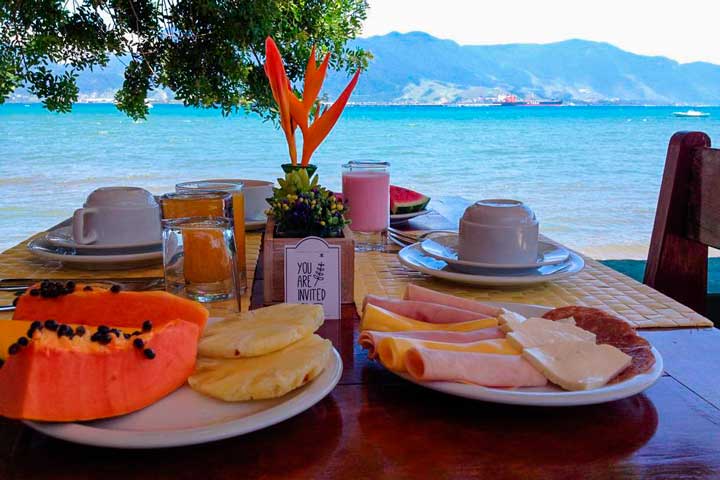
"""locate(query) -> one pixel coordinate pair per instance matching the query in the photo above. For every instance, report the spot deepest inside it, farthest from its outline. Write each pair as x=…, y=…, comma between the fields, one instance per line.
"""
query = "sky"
x=684, y=30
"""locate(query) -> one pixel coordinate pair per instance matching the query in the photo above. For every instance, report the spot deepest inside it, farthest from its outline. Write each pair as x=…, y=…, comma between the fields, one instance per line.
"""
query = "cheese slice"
x=535, y=332
x=577, y=365
x=509, y=320
x=568, y=320
x=392, y=350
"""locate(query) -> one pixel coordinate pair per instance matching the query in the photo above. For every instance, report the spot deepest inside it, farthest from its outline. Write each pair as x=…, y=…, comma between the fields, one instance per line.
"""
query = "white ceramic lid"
x=130, y=197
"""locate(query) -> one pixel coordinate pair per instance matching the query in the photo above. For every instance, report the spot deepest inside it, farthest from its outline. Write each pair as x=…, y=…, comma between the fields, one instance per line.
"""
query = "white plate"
x=44, y=250
x=186, y=417
x=396, y=218
x=62, y=237
x=445, y=247
x=415, y=258
x=549, y=396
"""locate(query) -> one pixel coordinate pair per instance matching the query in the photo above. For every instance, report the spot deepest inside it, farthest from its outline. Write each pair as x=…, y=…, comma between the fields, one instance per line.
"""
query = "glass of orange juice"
x=195, y=256
x=235, y=189
x=199, y=258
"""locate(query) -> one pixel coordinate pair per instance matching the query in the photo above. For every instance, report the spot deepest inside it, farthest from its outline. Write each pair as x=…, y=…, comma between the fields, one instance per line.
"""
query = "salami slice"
x=611, y=330
x=605, y=326
x=642, y=360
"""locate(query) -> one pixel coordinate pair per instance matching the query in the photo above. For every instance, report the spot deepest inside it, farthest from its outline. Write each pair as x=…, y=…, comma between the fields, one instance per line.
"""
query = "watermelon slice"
x=404, y=200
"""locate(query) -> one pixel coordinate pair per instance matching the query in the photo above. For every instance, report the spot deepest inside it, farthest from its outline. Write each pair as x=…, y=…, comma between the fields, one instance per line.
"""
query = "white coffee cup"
x=255, y=192
x=118, y=216
x=498, y=231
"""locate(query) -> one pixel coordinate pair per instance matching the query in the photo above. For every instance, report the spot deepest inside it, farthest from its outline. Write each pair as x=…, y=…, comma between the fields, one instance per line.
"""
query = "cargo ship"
x=514, y=101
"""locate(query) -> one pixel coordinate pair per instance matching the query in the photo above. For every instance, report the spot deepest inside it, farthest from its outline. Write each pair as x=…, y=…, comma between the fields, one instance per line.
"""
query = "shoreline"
x=109, y=101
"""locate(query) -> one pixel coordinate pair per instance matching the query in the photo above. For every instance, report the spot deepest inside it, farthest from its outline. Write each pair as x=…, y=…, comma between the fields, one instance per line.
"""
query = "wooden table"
x=375, y=425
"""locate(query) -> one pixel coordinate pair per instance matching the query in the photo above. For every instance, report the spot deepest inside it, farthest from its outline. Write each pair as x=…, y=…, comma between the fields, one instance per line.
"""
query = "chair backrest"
x=687, y=220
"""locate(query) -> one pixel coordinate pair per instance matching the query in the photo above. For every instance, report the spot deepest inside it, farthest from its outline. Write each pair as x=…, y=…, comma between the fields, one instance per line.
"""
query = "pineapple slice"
x=263, y=377
x=261, y=331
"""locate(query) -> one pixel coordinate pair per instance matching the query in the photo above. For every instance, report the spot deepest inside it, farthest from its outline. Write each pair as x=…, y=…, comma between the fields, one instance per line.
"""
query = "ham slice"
x=422, y=294
x=424, y=311
x=376, y=318
x=369, y=339
x=487, y=370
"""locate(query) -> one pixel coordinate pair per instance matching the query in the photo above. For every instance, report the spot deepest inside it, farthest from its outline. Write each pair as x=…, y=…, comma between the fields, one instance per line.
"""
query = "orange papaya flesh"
x=12, y=330
x=102, y=306
x=56, y=378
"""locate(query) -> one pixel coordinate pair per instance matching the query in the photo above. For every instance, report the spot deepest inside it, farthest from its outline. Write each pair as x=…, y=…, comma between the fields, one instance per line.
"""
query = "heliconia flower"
x=295, y=112
x=314, y=134
x=280, y=86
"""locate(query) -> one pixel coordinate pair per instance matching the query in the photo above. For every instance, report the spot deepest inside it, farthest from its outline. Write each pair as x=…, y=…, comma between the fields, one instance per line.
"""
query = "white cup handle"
x=78, y=226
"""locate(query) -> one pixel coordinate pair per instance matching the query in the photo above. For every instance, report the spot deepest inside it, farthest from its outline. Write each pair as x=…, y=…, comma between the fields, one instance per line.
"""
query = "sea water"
x=592, y=174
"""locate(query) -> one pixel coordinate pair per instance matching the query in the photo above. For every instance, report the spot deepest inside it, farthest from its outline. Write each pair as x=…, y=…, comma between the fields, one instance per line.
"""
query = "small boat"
x=691, y=113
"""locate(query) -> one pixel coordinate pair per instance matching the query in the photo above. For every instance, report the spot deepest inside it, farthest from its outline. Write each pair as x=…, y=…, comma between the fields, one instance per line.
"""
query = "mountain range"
x=417, y=68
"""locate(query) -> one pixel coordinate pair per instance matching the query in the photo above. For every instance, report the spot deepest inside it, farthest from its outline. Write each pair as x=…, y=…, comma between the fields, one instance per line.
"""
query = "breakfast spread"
x=575, y=348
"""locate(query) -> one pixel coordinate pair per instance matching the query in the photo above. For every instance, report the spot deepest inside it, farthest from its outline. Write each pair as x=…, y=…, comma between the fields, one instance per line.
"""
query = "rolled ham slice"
x=376, y=318
x=369, y=339
x=487, y=370
x=424, y=311
x=422, y=294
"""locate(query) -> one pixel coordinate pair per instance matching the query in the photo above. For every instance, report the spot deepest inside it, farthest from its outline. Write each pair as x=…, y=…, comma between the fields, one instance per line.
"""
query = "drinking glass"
x=196, y=204
x=198, y=258
x=366, y=190
x=236, y=189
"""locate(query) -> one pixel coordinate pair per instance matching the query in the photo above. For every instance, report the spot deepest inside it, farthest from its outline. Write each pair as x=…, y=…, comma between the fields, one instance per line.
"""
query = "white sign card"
x=312, y=275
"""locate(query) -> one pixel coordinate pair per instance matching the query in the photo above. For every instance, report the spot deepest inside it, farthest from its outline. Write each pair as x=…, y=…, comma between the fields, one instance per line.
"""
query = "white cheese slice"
x=568, y=320
x=535, y=332
x=578, y=365
x=509, y=320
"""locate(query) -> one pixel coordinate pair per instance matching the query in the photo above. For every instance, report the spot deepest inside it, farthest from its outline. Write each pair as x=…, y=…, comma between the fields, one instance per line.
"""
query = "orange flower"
x=296, y=112
x=314, y=134
x=280, y=86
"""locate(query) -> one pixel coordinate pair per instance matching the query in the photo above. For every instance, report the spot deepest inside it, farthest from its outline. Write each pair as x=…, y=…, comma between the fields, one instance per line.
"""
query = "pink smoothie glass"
x=366, y=190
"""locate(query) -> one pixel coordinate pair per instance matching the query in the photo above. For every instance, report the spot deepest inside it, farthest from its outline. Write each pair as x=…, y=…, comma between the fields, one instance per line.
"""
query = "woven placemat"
x=596, y=286
x=17, y=262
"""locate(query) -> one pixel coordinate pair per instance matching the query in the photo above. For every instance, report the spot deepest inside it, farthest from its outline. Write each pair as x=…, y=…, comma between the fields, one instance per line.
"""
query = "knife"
x=138, y=283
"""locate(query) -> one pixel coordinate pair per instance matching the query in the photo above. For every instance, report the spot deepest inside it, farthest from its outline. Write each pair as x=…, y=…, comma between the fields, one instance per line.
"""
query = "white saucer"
x=62, y=237
x=396, y=218
x=70, y=257
x=415, y=258
x=445, y=247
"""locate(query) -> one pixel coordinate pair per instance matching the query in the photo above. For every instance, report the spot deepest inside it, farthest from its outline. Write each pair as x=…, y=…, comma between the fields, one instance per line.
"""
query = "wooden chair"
x=687, y=220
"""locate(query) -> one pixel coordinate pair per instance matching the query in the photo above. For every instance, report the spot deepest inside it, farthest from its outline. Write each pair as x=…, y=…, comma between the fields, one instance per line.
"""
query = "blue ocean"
x=592, y=174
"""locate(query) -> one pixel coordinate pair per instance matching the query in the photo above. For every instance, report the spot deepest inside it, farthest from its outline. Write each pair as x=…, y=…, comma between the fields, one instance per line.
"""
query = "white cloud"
x=682, y=30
